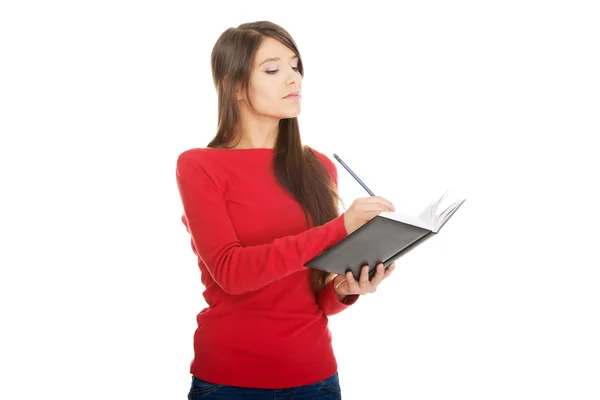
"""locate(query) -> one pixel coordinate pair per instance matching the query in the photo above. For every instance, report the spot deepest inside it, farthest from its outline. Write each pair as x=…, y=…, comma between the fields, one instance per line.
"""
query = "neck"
x=257, y=131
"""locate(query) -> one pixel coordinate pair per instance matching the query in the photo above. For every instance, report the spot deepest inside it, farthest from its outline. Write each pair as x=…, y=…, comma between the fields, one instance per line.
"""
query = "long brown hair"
x=296, y=167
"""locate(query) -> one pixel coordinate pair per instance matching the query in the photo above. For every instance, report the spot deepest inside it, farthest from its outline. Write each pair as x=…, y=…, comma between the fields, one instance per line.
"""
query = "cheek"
x=264, y=96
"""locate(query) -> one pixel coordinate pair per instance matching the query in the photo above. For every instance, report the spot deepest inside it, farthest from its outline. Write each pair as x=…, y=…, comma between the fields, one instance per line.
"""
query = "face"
x=273, y=78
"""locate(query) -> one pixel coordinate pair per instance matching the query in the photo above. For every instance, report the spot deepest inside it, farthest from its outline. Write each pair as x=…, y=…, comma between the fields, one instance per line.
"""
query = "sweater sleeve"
x=326, y=298
x=235, y=268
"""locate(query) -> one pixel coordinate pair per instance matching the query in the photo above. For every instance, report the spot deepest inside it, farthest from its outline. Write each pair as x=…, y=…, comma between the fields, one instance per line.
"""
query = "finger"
x=376, y=208
x=380, y=200
x=389, y=270
x=377, y=199
x=364, y=277
x=352, y=283
x=366, y=207
x=378, y=277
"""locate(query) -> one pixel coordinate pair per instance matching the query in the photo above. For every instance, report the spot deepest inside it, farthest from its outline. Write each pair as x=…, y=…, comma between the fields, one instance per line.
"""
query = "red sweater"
x=263, y=327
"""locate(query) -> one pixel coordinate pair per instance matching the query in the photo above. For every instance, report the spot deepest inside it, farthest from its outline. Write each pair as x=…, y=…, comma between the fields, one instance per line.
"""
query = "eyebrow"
x=276, y=59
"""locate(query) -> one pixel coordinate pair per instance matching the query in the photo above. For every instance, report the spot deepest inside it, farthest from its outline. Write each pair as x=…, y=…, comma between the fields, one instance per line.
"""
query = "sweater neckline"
x=252, y=149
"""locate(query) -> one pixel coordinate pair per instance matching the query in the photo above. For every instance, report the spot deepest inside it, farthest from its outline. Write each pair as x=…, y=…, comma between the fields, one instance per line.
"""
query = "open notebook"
x=385, y=238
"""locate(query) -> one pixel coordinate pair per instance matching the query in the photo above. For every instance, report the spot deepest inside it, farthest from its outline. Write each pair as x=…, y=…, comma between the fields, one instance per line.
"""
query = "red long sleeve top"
x=264, y=327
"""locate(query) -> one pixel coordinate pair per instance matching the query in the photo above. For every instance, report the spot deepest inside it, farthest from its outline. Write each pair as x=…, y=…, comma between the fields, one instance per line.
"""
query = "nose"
x=293, y=77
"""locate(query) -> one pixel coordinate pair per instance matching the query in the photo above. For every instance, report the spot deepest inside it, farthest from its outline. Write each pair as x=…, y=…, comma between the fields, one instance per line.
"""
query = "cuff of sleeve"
x=349, y=300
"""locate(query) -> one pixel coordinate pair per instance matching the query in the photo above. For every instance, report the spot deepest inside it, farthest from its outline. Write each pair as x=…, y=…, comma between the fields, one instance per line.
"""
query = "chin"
x=290, y=113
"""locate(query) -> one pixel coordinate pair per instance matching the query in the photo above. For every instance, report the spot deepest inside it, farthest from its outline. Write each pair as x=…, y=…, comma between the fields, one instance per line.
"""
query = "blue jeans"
x=327, y=389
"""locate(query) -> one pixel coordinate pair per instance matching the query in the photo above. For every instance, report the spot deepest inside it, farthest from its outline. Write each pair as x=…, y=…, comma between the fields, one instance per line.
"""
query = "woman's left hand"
x=347, y=285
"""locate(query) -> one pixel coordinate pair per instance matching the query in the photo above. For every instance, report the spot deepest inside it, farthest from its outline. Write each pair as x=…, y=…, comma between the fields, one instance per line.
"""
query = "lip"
x=295, y=95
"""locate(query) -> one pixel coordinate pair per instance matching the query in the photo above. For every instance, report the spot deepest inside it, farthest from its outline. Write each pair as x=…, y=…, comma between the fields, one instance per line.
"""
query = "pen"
x=353, y=175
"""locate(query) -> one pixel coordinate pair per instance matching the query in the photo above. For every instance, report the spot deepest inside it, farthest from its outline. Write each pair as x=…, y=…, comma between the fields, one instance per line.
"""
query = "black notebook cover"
x=379, y=240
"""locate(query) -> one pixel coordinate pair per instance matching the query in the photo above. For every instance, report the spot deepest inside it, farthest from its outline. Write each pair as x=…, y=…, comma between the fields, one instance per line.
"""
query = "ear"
x=240, y=92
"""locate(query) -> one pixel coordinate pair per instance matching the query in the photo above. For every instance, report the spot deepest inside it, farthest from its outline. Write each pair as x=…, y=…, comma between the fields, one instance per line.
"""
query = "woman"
x=258, y=205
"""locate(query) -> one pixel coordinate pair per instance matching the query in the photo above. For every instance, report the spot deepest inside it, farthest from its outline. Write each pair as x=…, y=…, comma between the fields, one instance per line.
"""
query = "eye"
x=273, y=72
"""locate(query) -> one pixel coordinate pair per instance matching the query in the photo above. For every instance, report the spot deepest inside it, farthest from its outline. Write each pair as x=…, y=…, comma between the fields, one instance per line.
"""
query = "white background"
x=99, y=288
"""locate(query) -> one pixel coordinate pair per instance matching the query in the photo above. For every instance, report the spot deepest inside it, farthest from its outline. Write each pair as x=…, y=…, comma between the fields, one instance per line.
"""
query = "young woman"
x=258, y=205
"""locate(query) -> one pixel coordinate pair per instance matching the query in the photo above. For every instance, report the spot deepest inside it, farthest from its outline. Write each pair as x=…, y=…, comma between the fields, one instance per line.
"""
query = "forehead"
x=271, y=48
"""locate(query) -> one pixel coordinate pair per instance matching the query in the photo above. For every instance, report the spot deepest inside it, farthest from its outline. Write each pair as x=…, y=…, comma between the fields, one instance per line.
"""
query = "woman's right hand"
x=363, y=210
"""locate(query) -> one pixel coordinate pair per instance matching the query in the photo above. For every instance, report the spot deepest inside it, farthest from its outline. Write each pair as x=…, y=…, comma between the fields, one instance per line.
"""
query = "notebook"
x=384, y=239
